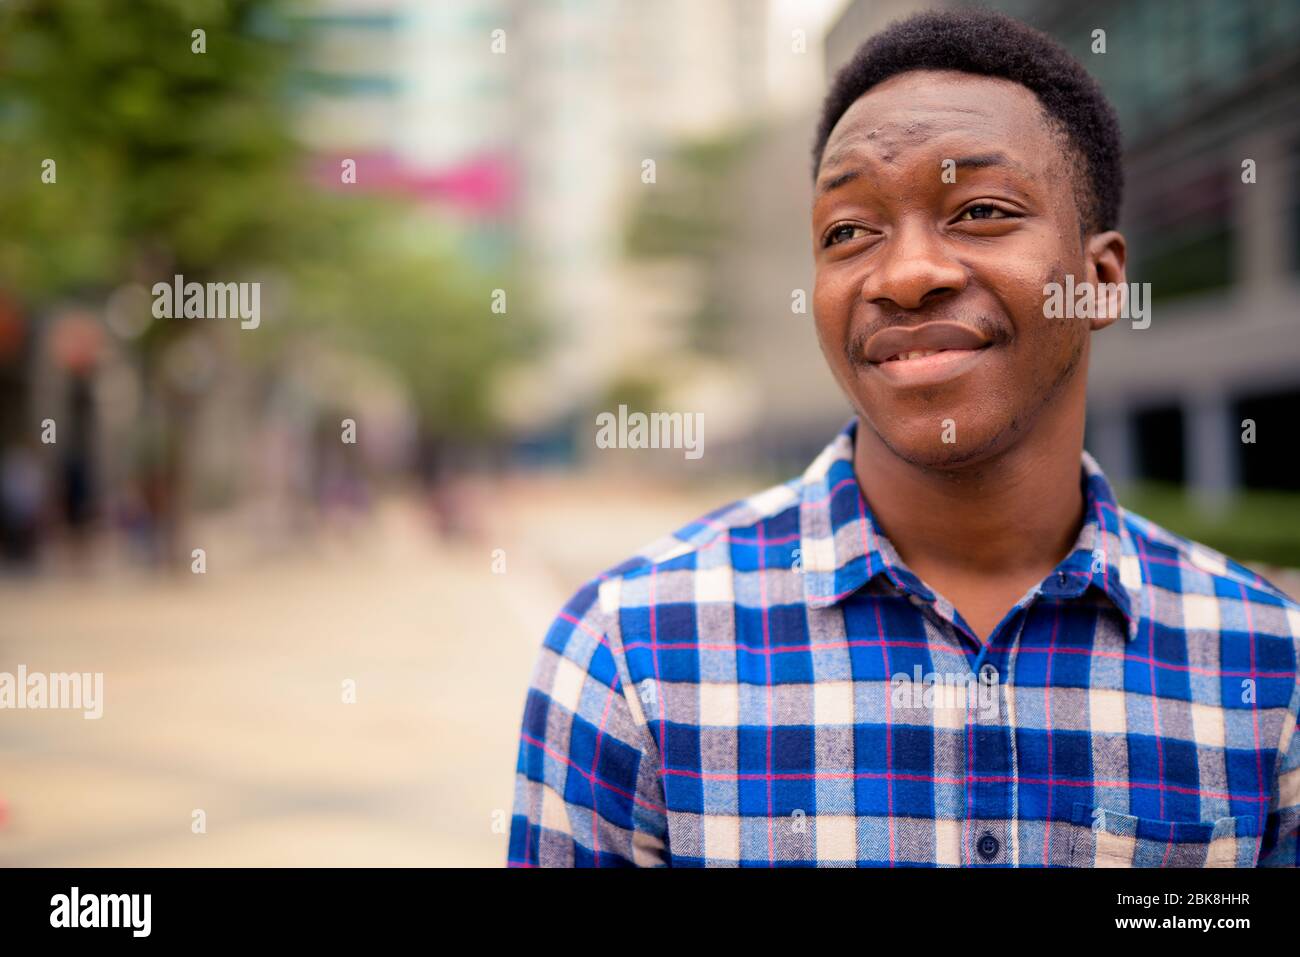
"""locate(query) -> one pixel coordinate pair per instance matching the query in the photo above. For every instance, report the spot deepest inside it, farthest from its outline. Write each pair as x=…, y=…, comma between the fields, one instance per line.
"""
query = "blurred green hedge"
x=1258, y=526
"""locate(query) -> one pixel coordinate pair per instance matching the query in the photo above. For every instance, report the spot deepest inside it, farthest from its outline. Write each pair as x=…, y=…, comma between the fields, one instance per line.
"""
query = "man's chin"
x=941, y=446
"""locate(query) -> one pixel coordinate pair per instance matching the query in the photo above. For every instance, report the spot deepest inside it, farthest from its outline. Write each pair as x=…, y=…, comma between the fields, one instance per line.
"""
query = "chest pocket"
x=1103, y=838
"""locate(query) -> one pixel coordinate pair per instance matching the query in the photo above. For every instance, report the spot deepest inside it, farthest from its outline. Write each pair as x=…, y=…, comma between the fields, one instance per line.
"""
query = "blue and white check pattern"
x=772, y=686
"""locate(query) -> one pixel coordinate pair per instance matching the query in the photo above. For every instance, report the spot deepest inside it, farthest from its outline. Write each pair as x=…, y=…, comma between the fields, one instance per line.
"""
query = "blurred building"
x=605, y=88
x=413, y=92
x=534, y=119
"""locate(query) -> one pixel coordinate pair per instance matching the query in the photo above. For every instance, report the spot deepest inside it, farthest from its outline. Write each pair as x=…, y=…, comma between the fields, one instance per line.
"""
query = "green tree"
x=170, y=160
x=688, y=215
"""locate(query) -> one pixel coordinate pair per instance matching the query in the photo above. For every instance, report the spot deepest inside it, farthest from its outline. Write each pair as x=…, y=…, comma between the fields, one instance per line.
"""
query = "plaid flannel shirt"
x=771, y=686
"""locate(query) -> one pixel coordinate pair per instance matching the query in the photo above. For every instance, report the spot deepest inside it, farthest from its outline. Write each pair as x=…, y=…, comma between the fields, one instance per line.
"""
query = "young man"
x=944, y=644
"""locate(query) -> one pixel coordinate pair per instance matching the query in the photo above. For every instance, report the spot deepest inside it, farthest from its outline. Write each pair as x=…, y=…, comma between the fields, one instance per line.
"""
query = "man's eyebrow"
x=985, y=160
x=982, y=161
x=838, y=181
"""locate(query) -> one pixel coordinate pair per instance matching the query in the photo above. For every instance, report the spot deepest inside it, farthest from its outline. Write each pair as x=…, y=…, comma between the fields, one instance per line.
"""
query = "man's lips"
x=926, y=355
x=899, y=343
x=931, y=369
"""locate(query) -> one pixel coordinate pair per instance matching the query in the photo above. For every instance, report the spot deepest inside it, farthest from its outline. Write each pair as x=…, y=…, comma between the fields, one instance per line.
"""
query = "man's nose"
x=914, y=266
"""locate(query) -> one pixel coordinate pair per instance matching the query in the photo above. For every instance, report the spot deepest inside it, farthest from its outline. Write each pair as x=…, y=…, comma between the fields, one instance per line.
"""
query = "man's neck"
x=1017, y=514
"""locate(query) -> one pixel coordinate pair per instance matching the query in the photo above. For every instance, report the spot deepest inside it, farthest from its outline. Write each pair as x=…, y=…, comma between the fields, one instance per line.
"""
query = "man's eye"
x=982, y=211
x=843, y=233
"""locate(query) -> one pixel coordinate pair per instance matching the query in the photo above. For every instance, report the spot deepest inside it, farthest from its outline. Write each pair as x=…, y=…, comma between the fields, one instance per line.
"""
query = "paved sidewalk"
x=223, y=692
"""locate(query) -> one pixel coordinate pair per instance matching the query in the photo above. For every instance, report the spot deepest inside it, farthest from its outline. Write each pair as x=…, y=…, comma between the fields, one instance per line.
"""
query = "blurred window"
x=1269, y=462
x=1160, y=453
x=1162, y=57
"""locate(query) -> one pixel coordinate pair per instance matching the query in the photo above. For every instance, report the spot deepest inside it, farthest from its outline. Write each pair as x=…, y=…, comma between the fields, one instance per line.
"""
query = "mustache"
x=855, y=347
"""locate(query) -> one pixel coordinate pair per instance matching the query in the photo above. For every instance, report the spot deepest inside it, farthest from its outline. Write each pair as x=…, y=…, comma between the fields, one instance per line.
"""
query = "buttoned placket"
x=990, y=808
x=1002, y=807
x=988, y=831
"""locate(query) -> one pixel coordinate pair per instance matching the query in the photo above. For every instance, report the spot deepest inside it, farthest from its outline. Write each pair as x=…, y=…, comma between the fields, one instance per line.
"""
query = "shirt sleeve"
x=1280, y=847
x=588, y=792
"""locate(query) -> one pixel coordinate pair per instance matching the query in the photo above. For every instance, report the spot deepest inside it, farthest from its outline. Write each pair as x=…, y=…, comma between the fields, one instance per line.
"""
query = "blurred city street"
x=223, y=692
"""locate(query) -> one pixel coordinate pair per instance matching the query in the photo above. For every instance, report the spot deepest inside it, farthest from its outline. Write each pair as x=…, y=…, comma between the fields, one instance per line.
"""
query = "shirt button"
x=988, y=847
x=988, y=673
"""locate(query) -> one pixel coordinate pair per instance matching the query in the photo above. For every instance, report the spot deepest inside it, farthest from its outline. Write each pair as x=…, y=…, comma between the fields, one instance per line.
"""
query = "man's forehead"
x=915, y=108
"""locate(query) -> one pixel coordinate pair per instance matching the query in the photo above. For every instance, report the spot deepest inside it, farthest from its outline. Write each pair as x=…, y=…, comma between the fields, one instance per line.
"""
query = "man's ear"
x=1105, y=256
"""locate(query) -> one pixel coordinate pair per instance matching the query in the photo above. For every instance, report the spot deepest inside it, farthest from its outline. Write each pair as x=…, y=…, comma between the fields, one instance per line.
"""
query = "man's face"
x=961, y=210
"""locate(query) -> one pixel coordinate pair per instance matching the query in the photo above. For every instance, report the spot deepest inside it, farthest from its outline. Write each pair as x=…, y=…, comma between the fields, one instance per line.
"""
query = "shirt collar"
x=843, y=548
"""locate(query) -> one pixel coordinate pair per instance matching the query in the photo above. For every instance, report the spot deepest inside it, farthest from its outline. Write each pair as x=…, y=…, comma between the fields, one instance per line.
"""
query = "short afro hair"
x=992, y=44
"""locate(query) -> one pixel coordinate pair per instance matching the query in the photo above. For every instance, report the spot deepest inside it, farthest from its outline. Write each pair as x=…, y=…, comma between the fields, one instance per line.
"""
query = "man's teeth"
x=918, y=354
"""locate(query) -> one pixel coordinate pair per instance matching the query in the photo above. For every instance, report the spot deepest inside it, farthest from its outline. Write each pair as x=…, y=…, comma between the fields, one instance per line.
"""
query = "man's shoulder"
x=733, y=520
x=704, y=544
x=1173, y=564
